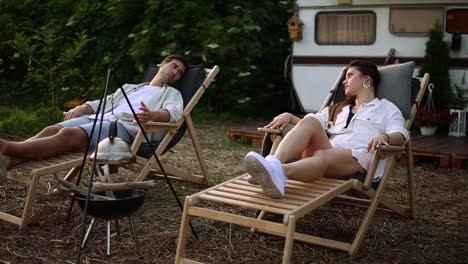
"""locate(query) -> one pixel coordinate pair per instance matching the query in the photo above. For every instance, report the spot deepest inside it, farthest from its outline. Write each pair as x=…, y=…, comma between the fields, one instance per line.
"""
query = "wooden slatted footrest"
x=299, y=199
x=239, y=192
x=29, y=173
x=51, y=165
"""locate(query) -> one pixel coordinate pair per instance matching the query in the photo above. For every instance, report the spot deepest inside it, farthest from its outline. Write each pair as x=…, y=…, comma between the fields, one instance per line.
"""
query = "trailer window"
x=402, y=20
x=457, y=21
x=345, y=28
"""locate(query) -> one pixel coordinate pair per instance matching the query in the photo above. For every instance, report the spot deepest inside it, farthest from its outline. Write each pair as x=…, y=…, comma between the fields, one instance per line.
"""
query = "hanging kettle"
x=113, y=150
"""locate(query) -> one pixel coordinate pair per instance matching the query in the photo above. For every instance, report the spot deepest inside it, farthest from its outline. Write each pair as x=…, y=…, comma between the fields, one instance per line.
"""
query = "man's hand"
x=146, y=115
x=78, y=111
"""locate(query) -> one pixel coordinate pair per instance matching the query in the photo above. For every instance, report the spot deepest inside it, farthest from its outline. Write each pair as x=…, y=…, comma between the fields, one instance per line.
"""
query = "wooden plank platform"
x=452, y=152
x=254, y=137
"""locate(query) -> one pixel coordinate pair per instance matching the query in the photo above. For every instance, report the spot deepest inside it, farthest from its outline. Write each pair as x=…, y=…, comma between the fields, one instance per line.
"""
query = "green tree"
x=436, y=63
x=50, y=60
x=248, y=39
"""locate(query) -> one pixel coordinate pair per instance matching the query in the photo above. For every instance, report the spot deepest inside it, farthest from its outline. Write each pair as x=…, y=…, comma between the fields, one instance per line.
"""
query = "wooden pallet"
x=452, y=152
x=445, y=160
x=254, y=137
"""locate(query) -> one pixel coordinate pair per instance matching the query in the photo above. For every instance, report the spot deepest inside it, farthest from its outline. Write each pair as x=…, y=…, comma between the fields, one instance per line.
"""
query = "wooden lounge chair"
x=192, y=86
x=301, y=198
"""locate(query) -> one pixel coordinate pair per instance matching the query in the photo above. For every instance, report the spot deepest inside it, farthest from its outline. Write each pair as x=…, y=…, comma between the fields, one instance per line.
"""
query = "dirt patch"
x=437, y=234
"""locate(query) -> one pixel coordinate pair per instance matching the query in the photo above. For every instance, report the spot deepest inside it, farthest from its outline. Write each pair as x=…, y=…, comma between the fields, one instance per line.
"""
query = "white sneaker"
x=3, y=169
x=268, y=172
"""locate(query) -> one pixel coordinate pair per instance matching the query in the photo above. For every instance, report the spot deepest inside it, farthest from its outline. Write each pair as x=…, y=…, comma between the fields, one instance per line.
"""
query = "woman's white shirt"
x=371, y=119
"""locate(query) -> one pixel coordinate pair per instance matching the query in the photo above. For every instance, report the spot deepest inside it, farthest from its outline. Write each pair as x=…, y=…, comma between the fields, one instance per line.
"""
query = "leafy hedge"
x=19, y=124
x=54, y=50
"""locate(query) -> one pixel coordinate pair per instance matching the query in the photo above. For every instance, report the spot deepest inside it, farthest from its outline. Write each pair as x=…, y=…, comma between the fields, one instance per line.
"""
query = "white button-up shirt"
x=371, y=119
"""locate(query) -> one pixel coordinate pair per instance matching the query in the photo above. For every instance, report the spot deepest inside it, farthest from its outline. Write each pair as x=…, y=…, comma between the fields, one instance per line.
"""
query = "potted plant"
x=429, y=120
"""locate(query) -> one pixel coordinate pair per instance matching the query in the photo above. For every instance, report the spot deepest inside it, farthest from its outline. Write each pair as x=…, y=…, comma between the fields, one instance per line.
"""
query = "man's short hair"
x=176, y=57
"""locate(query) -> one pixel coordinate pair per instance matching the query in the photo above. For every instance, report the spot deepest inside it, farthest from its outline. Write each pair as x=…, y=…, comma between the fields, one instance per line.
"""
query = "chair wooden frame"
x=301, y=198
x=29, y=173
x=172, y=128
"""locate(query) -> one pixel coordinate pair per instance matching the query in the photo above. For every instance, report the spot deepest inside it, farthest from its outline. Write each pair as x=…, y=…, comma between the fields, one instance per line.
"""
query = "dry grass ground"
x=438, y=234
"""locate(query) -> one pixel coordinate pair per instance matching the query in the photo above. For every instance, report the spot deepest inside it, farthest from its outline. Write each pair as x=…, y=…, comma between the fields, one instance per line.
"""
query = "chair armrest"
x=391, y=148
x=151, y=126
x=269, y=130
x=386, y=151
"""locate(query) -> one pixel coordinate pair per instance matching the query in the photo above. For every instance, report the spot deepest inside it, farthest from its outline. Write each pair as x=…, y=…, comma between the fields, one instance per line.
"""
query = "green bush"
x=19, y=124
x=51, y=61
x=247, y=39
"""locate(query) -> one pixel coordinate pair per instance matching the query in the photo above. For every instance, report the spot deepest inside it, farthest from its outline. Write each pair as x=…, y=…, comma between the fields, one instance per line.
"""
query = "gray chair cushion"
x=395, y=85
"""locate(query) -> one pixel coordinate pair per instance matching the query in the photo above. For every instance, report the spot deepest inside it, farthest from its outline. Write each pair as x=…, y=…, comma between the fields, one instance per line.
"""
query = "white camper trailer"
x=334, y=32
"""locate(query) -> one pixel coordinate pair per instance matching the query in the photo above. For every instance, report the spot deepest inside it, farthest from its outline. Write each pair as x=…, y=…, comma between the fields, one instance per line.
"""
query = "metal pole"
x=93, y=167
x=83, y=162
x=158, y=161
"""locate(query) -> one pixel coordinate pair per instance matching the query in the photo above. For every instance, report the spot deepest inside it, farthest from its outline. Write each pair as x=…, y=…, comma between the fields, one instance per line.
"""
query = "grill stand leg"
x=88, y=231
x=108, y=221
x=108, y=237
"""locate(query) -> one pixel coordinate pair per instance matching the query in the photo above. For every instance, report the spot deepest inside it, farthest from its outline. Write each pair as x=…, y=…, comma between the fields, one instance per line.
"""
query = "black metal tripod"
x=102, y=104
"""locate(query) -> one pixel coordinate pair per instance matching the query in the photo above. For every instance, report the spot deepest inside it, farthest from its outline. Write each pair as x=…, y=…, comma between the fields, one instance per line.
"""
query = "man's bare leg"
x=46, y=132
x=67, y=139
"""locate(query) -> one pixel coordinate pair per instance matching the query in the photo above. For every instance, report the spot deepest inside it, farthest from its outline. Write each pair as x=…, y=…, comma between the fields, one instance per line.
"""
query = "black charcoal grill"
x=126, y=202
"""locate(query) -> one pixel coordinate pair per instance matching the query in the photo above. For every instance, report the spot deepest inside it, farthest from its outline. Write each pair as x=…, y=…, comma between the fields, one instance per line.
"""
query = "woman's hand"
x=280, y=121
x=377, y=141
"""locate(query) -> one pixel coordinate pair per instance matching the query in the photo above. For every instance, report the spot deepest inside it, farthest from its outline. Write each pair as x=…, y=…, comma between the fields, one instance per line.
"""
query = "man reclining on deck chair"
x=356, y=126
x=157, y=101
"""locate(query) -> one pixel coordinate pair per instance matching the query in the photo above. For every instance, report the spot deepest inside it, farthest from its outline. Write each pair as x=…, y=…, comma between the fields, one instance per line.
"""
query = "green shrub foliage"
x=54, y=50
x=19, y=124
x=436, y=63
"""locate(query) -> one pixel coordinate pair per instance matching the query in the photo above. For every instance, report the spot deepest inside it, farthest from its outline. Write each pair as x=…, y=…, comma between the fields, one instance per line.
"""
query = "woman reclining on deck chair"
x=355, y=127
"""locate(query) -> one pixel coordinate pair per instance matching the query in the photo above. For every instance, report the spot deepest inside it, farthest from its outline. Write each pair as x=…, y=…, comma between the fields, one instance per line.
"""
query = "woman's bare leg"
x=303, y=140
x=319, y=159
x=332, y=163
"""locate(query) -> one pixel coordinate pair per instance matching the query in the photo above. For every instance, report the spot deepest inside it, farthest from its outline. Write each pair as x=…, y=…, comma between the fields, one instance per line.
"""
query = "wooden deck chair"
x=301, y=198
x=192, y=86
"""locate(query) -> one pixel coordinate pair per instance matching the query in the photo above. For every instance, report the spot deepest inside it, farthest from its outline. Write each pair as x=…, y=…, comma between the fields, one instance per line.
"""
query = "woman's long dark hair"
x=365, y=68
